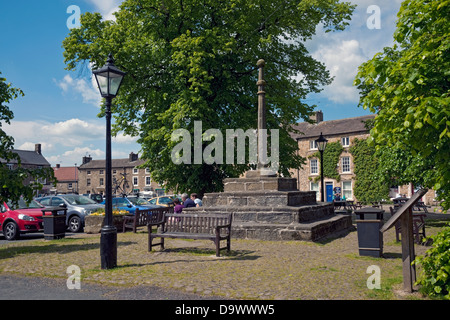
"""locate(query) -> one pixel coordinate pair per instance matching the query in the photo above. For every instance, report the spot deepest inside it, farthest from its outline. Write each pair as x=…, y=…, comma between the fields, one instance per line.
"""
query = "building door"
x=329, y=191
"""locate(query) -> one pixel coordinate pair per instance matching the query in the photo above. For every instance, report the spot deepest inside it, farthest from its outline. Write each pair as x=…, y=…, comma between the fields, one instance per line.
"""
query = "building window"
x=345, y=141
x=102, y=171
x=89, y=172
x=135, y=170
x=148, y=181
x=101, y=182
x=10, y=166
x=147, y=170
x=312, y=145
x=114, y=171
x=347, y=189
x=345, y=164
x=313, y=166
x=69, y=185
x=135, y=181
x=314, y=186
x=88, y=182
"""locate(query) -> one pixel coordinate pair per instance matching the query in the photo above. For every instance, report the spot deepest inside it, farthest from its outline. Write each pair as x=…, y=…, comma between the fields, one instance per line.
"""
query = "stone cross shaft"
x=261, y=109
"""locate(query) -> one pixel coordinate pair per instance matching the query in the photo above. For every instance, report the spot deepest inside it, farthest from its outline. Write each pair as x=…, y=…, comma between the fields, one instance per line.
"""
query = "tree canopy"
x=13, y=184
x=408, y=85
x=195, y=60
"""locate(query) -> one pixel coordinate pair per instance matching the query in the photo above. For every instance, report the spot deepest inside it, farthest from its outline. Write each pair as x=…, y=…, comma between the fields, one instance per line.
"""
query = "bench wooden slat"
x=143, y=217
x=215, y=227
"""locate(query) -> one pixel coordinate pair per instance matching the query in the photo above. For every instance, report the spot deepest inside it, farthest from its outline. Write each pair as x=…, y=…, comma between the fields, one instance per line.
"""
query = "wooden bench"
x=143, y=217
x=215, y=227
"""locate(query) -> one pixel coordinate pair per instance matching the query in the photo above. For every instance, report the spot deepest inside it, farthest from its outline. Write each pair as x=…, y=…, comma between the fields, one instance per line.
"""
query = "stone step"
x=264, y=214
x=260, y=184
x=260, y=198
x=312, y=231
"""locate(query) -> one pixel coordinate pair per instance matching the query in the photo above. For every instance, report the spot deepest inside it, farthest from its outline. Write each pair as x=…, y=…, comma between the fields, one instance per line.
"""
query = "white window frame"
x=312, y=145
x=345, y=165
x=135, y=170
x=311, y=161
x=346, y=191
x=311, y=188
x=345, y=141
x=149, y=179
x=135, y=181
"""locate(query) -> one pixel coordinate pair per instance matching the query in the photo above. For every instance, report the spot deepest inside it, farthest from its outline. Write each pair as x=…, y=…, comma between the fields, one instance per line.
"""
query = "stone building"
x=67, y=178
x=344, y=131
x=125, y=173
x=31, y=160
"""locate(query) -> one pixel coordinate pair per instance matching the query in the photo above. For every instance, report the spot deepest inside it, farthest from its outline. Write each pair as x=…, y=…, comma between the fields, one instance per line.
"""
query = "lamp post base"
x=108, y=247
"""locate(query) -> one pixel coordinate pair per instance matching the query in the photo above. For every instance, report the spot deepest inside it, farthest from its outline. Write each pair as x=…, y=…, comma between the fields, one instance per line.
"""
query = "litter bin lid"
x=54, y=210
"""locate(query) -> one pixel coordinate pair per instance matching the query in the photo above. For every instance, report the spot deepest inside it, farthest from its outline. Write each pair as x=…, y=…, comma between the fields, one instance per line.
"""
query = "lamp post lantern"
x=321, y=144
x=109, y=78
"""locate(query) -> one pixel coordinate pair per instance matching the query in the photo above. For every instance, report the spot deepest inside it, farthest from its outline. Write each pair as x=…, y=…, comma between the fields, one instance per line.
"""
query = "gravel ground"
x=287, y=270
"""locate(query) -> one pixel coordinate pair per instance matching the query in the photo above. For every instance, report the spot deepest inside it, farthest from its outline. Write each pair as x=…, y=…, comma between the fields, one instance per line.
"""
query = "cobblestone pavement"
x=254, y=269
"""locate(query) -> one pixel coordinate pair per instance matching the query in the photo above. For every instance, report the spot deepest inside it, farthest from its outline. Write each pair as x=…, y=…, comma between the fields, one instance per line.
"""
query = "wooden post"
x=404, y=215
x=408, y=255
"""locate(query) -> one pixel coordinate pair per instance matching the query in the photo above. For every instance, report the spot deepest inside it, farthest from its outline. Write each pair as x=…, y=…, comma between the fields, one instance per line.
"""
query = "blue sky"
x=60, y=108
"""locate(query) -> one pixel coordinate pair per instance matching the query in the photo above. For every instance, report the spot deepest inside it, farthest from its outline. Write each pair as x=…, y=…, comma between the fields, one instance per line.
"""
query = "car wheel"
x=74, y=224
x=11, y=231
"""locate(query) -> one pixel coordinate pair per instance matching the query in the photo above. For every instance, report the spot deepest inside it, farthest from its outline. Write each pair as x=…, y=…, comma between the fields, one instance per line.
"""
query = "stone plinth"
x=270, y=208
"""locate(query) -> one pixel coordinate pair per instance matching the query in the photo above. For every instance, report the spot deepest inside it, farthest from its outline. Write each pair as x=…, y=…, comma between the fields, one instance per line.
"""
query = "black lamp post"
x=321, y=144
x=109, y=78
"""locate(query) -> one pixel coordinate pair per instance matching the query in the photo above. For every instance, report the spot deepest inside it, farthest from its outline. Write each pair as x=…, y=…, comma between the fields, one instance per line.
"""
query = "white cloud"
x=342, y=60
x=88, y=91
x=344, y=51
x=70, y=157
x=107, y=7
x=66, y=142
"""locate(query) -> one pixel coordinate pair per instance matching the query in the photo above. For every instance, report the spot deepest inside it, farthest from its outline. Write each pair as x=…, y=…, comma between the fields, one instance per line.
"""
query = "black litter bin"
x=368, y=225
x=54, y=223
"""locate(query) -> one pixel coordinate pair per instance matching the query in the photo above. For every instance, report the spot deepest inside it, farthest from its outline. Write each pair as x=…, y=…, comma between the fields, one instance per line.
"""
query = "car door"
x=2, y=214
x=57, y=201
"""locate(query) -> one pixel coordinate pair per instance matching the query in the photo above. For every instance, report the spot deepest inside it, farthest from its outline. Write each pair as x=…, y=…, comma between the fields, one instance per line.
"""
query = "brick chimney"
x=133, y=157
x=317, y=116
x=37, y=148
x=86, y=160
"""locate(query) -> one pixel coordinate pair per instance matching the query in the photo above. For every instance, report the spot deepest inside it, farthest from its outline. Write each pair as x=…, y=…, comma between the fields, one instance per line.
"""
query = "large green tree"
x=195, y=60
x=408, y=85
x=13, y=183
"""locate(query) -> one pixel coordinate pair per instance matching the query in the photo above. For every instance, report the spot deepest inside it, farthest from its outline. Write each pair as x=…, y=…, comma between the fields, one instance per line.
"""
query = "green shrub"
x=435, y=278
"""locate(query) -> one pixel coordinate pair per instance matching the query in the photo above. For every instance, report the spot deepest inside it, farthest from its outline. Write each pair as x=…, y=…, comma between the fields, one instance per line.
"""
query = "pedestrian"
x=187, y=202
x=197, y=201
x=178, y=206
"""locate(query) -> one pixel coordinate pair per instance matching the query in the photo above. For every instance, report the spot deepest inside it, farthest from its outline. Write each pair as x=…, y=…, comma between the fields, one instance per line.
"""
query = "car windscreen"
x=138, y=201
x=78, y=200
x=22, y=204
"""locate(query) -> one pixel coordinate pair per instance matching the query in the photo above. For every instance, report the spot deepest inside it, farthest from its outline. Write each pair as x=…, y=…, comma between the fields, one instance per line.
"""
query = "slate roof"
x=332, y=127
x=115, y=163
x=30, y=158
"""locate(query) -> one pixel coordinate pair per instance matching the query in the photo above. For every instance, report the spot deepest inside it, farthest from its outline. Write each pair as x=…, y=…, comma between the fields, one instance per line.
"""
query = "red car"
x=21, y=218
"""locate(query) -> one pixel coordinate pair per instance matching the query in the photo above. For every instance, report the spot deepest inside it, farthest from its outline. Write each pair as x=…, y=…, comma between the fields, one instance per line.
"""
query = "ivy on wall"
x=331, y=157
x=368, y=186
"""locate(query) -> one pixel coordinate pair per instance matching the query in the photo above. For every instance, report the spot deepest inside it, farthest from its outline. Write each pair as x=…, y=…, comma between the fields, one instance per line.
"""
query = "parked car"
x=20, y=218
x=94, y=196
x=124, y=203
x=164, y=201
x=78, y=207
